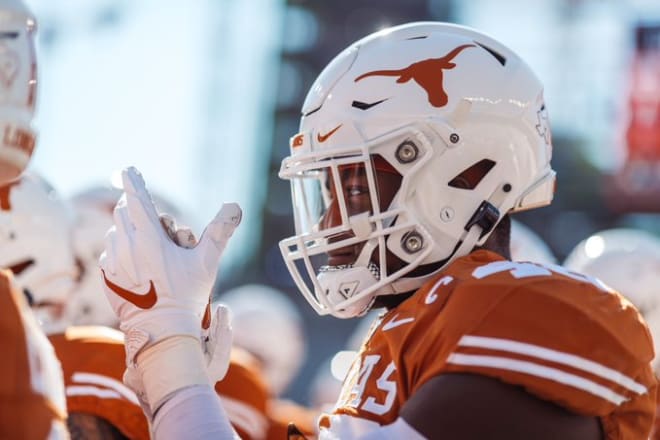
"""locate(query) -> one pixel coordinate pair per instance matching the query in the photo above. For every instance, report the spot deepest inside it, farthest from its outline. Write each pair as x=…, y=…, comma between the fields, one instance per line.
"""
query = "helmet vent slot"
x=421, y=37
x=470, y=177
x=499, y=57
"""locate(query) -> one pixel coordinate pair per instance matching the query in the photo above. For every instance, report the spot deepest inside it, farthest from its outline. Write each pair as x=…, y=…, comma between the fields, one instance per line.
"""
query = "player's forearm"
x=179, y=393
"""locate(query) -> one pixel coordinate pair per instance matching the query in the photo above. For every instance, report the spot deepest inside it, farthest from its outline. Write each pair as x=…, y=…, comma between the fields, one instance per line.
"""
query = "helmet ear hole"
x=470, y=177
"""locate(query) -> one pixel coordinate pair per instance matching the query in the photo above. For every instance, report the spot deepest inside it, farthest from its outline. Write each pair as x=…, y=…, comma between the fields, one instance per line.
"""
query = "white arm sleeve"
x=192, y=413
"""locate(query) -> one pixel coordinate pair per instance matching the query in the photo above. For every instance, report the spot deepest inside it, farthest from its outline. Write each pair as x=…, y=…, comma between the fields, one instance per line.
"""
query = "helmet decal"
x=427, y=73
x=324, y=137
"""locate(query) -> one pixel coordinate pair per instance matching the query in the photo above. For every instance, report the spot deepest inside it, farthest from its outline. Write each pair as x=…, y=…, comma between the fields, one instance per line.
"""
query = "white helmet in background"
x=93, y=209
x=267, y=324
x=35, y=226
x=526, y=245
x=628, y=260
x=93, y=217
x=18, y=88
x=456, y=115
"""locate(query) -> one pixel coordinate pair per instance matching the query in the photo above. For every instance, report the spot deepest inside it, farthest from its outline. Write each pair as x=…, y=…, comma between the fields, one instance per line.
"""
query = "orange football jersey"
x=32, y=404
x=93, y=364
x=564, y=337
x=655, y=434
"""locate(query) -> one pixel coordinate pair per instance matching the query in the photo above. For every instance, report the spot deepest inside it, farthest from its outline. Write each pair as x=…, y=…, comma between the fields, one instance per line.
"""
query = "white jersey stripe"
x=108, y=382
x=538, y=371
x=559, y=357
x=88, y=390
x=245, y=417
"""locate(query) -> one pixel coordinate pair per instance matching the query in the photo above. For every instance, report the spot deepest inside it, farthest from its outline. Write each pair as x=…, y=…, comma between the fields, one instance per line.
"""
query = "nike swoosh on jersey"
x=392, y=323
x=324, y=137
x=140, y=300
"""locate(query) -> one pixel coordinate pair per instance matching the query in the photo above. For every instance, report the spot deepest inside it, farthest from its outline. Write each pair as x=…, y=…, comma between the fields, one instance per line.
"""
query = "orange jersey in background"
x=283, y=412
x=245, y=396
x=93, y=361
x=251, y=409
x=562, y=336
x=32, y=403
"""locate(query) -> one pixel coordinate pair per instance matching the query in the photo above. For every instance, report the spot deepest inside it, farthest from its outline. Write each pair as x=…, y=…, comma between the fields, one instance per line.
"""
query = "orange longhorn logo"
x=428, y=74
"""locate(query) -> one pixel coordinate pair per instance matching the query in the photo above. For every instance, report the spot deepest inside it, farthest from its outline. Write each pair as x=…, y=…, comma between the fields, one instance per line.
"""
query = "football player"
x=415, y=146
x=32, y=403
x=99, y=404
x=92, y=358
x=629, y=261
x=245, y=393
x=44, y=268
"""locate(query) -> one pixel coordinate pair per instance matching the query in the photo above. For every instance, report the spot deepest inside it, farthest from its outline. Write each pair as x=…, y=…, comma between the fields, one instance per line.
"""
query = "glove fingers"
x=124, y=242
x=220, y=340
x=222, y=317
x=141, y=209
x=169, y=224
x=216, y=235
x=108, y=259
x=186, y=238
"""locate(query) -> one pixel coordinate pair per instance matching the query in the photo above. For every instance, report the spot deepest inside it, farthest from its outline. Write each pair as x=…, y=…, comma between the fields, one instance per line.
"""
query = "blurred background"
x=203, y=96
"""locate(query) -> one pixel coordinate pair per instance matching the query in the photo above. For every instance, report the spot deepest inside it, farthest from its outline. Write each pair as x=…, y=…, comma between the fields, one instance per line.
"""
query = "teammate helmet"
x=456, y=115
x=628, y=260
x=267, y=324
x=18, y=82
x=34, y=237
x=526, y=245
x=93, y=217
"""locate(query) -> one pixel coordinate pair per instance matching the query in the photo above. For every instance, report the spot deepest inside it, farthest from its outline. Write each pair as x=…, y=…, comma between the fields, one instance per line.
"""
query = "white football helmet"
x=18, y=83
x=93, y=217
x=526, y=245
x=456, y=115
x=35, y=226
x=267, y=324
x=93, y=209
x=628, y=260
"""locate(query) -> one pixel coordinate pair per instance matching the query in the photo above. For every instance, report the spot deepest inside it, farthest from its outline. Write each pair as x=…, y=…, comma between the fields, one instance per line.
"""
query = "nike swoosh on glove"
x=160, y=290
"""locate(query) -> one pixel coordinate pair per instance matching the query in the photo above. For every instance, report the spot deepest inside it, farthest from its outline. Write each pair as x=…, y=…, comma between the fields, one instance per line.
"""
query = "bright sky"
x=141, y=83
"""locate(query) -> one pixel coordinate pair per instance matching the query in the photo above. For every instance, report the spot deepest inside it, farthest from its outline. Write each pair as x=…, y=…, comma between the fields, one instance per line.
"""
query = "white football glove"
x=160, y=291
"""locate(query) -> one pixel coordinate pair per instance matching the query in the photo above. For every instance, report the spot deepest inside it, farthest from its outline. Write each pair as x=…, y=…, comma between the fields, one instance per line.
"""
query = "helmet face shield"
x=344, y=209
